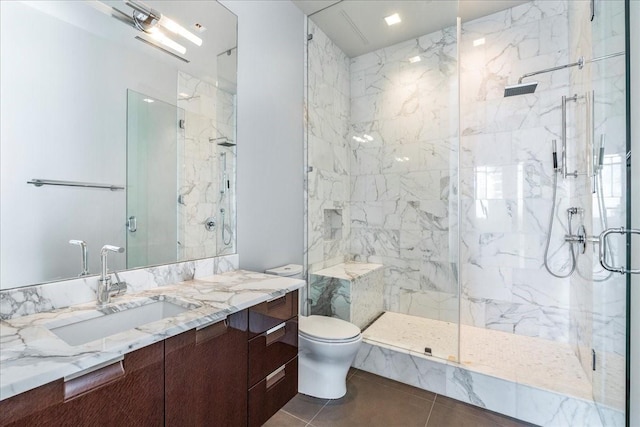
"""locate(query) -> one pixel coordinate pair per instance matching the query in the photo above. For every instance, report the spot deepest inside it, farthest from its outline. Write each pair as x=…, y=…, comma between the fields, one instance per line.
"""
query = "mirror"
x=114, y=135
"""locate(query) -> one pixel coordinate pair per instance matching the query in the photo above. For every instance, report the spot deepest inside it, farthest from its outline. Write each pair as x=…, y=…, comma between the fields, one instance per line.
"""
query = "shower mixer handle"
x=580, y=238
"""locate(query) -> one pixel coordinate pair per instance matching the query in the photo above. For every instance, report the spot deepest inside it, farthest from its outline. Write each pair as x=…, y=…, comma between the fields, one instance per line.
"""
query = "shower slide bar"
x=563, y=167
x=41, y=182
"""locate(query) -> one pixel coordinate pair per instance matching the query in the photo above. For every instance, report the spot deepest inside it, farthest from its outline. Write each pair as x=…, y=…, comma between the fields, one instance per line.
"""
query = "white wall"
x=635, y=212
x=270, y=133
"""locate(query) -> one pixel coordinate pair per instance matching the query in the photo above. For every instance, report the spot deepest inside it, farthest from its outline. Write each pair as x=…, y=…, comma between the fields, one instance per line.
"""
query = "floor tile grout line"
x=397, y=389
x=433, y=404
x=297, y=418
x=318, y=413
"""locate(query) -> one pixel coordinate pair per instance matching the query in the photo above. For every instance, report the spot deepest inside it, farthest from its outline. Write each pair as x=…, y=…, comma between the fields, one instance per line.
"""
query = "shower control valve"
x=580, y=239
x=210, y=223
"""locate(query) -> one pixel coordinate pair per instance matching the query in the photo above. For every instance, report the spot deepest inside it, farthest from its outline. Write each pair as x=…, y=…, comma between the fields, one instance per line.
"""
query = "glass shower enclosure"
x=425, y=164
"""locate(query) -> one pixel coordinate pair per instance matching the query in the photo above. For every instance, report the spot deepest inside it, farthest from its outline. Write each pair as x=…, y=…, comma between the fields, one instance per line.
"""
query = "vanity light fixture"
x=149, y=21
x=415, y=59
x=393, y=19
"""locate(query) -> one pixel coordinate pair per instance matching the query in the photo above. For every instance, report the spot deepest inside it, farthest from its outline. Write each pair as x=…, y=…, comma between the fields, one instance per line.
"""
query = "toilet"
x=327, y=348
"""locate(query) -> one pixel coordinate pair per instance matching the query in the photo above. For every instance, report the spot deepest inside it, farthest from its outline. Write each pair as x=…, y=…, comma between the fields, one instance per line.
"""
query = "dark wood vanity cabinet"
x=206, y=375
x=235, y=372
x=273, y=357
x=127, y=392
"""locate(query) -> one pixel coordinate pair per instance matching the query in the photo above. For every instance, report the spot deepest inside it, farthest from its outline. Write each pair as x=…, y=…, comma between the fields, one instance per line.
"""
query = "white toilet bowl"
x=327, y=348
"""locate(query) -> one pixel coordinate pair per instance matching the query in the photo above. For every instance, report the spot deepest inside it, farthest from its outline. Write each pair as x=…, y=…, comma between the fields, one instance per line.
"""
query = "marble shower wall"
x=209, y=115
x=507, y=175
x=328, y=206
x=403, y=149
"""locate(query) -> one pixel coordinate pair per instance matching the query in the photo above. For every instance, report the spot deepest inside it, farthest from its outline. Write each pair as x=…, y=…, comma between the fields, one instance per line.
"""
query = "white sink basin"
x=80, y=331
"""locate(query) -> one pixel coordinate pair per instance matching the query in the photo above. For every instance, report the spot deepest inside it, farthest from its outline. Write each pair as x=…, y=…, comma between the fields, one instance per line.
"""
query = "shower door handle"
x=603, y=249
x=132, y=224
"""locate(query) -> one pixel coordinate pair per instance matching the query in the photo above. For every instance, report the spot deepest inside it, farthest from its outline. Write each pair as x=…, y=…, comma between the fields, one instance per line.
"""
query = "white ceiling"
x=358, y=26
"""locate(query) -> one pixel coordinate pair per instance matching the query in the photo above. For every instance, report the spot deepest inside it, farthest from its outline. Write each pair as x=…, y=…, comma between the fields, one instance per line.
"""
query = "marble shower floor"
x=527, y=360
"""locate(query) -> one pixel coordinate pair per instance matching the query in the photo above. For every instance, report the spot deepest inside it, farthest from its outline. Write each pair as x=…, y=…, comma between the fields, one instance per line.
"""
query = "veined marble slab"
x=350, y=291
x=31, y=355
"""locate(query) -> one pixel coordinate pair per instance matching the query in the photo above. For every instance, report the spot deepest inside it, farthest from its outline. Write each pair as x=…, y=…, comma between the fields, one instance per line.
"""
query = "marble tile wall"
x=209, y=115
x=328, y=95
x=403, y=141
x=507, y=175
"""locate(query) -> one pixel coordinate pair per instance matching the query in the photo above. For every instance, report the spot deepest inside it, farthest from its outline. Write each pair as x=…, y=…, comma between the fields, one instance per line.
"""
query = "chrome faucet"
x=83, y=248
x=105, y=288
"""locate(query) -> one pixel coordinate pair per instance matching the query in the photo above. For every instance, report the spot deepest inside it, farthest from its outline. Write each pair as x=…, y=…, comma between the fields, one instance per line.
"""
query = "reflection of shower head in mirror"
x=223, y=141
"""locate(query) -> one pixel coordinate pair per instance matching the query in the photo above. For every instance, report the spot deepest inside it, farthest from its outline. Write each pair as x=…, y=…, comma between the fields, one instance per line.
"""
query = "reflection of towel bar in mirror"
x=41, y=182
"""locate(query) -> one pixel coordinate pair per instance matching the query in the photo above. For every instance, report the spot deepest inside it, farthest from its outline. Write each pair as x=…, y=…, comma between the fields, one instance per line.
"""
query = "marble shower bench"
x=351, y=291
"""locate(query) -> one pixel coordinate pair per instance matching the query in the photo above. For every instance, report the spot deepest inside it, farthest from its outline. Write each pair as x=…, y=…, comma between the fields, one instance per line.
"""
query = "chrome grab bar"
x=602, y=240
x=41, y=182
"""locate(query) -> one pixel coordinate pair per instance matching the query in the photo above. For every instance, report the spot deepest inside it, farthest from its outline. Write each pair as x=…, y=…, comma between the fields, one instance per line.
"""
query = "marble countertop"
x=31, y=355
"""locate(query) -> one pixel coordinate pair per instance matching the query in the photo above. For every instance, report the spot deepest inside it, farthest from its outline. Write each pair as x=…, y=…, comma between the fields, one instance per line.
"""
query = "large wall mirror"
x=117, y=127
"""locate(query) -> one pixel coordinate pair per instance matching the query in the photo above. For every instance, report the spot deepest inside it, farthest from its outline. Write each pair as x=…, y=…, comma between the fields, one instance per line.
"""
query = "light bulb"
x=178, y=29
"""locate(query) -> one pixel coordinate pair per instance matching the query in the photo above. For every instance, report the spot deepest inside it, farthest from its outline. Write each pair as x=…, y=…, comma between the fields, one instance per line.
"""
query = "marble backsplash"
x=50, y=296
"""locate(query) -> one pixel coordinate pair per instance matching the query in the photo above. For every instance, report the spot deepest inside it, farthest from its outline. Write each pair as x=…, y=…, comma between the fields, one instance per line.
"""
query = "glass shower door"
x=609, y=210
x=152, y=189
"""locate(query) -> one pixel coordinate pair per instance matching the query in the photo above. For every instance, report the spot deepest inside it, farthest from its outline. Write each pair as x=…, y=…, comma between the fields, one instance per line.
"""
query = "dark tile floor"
x=375, y=401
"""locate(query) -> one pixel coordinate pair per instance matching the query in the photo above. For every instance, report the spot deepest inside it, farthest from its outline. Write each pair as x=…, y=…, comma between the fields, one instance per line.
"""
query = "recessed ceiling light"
x=149, y=100
x=415, y=59
x=393, y=19
x=478, y=42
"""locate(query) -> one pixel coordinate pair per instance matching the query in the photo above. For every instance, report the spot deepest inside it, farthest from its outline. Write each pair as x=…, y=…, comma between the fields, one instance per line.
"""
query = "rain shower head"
x=223, y=140
x=520, y=89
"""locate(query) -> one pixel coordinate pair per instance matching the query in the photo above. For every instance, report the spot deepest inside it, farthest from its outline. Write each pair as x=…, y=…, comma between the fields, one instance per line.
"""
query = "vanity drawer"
x=269, y=314
x=269, y=395
x=272, y=349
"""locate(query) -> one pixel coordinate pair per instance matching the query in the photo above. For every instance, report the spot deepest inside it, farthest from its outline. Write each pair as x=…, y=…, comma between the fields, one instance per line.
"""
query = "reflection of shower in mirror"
x=225, y=186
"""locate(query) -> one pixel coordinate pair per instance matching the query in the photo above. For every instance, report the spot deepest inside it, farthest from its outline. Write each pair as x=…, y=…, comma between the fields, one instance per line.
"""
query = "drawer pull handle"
x=274, y=334
x=92, y=380
x=274, y=377
x=211, y=331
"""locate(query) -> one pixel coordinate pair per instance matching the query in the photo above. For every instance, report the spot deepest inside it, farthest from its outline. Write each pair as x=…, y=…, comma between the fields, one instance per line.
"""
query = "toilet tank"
x=293, y=271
